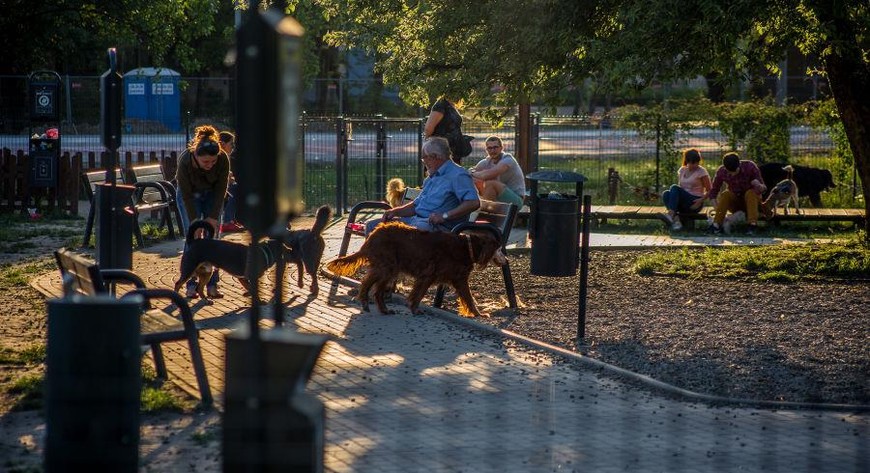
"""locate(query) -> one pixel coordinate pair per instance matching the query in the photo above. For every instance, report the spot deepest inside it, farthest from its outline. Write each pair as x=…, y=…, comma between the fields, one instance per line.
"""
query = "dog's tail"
x=347, y=265
x=196, y=225
x=790, y=170
x=321, y=218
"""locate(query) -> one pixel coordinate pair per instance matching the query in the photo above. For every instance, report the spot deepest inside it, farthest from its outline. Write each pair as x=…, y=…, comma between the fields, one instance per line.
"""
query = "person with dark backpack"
x=445, y=121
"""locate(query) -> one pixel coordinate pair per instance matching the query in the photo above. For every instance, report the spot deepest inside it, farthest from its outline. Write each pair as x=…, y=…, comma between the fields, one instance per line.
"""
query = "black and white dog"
x=302, y=247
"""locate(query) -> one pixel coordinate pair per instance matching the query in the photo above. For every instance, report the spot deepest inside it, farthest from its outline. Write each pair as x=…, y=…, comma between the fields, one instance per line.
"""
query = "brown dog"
x=785, y=192
x=429, y=257
x=395, y=192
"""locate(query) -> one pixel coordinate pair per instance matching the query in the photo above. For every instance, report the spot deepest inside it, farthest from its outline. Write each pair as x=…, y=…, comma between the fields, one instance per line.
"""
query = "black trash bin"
x=554, y=225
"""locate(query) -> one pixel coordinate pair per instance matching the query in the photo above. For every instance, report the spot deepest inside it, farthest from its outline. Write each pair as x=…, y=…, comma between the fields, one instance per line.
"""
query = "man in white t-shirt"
x=499, y=177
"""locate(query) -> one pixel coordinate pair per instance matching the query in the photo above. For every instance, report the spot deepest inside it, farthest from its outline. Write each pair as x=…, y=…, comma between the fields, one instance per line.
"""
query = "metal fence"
x=349, y=159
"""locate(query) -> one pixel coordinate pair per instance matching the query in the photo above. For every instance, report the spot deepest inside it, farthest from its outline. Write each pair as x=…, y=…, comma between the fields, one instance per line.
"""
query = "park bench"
x=601, y=213
x=368, y=210
x=151, y=193
x=497, y=217
x=155, y=193
x=84, y=277
x=90, y=181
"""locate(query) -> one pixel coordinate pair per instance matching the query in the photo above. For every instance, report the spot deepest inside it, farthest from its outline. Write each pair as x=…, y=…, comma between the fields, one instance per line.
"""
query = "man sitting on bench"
x=498, y=176
x=448, y=194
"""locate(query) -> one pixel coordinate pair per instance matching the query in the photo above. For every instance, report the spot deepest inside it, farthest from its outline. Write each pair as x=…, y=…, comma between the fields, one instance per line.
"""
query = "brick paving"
x=422, y=393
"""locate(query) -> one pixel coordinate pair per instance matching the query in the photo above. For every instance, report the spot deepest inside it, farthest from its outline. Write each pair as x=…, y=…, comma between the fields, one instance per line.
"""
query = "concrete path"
x=420, y=394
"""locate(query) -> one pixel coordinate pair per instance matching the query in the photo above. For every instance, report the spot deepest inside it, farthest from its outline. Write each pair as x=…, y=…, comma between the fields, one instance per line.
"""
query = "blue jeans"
x=680, y=200
x=202, y=202
x=230, y=203
x=414, y=221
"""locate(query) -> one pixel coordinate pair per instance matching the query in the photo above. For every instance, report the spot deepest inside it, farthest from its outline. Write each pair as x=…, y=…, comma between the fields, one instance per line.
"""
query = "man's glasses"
x=493, y=147
x=207, y=147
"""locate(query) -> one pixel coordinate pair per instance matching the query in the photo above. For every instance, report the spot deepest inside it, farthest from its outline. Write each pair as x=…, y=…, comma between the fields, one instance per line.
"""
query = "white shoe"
x=667, y=218
x=677, y=225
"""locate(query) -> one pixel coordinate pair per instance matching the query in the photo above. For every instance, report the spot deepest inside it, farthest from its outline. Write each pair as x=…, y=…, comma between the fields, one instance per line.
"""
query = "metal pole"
x=658, y=148
x=584, y=270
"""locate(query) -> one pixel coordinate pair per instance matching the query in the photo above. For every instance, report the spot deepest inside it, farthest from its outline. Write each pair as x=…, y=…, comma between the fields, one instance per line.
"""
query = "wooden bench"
x=155, y=193
x=84, y=277
x=645, y=212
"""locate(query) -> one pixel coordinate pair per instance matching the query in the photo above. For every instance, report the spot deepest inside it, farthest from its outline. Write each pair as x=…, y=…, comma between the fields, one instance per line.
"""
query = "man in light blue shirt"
x=448, y=194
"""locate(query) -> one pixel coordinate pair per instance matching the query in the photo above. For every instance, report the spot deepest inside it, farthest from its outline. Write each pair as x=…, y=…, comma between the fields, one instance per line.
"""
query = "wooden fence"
x=16, y=195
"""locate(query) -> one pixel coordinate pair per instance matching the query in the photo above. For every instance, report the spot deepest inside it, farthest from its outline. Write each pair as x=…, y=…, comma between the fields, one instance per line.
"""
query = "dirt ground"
x=805, y=342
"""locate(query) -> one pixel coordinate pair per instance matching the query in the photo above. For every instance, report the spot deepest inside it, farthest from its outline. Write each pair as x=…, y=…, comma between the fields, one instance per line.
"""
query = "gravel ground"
x=802, y=342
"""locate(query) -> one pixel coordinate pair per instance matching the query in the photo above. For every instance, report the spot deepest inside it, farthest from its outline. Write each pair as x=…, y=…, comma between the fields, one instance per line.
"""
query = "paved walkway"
x=421, y=393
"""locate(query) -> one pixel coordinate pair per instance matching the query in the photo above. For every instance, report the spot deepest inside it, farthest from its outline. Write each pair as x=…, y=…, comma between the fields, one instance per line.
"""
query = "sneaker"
x=667, y=218
x=213, y=293
x=677, y=225
x=752, y=229
x=714, y=229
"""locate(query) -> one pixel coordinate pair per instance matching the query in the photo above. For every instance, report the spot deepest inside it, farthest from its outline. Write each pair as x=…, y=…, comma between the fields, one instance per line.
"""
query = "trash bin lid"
x=556, y=176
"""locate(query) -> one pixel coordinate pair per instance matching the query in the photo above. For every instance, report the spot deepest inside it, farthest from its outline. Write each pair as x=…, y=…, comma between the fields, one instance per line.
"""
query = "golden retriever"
x=430, y=258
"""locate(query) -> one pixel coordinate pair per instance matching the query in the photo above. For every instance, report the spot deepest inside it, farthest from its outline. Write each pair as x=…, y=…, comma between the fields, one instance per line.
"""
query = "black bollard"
x=271, y=423
x=93, y=384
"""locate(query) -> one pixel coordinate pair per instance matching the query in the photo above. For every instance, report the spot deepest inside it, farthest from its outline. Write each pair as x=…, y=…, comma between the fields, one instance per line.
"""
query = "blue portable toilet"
x=153, y=94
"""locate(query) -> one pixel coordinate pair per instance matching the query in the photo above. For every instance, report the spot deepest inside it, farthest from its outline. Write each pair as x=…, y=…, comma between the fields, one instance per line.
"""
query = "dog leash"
x=470, y=251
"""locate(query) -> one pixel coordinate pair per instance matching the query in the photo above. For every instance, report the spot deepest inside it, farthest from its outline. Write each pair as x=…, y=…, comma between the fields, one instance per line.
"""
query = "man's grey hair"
x=437, y=146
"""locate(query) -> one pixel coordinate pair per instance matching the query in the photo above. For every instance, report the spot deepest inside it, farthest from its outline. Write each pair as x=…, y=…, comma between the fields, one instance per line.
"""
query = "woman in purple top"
x=745, y=186
x=687, y=195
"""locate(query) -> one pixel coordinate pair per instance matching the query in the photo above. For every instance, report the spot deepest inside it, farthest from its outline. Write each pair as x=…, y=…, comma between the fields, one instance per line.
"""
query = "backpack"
x=460, y=145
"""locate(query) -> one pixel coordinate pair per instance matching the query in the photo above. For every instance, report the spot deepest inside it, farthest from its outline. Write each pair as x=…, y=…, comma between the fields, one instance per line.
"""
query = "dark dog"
x=811, y=181
x=306, y=247
x=429, y=257
x=785, y=192
x=303, y=247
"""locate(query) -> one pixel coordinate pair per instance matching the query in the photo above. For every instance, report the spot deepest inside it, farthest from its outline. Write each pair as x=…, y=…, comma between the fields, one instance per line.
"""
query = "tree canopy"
x=504, y=52
x=72, y=36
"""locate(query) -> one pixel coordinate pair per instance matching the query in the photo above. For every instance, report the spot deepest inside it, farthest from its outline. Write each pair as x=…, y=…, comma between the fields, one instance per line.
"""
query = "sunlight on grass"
x=840, y=260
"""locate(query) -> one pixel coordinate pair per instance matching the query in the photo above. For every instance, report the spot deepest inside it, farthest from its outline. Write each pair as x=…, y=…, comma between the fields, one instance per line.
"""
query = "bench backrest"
x=149, y=173
x=501, y=215
x=410, y=194
x=79, y=274
x=91, y=179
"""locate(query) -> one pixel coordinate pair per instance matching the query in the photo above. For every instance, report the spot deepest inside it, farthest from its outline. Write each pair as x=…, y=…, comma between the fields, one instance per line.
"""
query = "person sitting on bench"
x=499, y=177
x=687, y=196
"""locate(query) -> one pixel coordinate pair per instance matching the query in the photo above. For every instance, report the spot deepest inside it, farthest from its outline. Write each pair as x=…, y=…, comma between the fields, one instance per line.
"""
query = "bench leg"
x=137, y=231
x=89, y=226
x=199, y=368
x=345, y=241
x=509, y=285
x=159, y=364
x=178, y=219
x=167, y=220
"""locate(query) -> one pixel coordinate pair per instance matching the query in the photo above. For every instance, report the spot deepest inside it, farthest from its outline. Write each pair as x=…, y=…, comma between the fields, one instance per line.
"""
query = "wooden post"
x=523, y=145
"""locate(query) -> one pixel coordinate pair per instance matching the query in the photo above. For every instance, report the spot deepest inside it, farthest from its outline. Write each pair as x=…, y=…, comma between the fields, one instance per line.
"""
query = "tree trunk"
x=850, y=83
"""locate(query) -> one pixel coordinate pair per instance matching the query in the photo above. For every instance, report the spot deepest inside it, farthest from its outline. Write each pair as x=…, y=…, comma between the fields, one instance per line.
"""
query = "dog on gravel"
x=395, y=191
x=395, y=249
x=785, y=192
x=202, y=255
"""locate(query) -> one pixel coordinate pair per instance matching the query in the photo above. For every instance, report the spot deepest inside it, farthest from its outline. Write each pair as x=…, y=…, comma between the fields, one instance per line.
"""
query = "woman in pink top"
x=693, y=183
